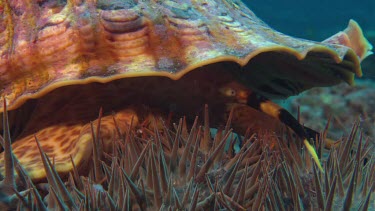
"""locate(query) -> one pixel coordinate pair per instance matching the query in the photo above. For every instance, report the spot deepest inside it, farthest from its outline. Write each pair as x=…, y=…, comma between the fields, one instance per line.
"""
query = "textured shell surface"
x=49, y=44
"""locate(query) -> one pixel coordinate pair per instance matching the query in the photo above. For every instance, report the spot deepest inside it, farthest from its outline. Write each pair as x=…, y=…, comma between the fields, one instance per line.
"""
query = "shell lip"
x=350, y=55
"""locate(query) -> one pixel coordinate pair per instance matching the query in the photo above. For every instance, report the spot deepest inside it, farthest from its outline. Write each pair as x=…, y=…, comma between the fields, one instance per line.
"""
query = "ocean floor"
x=343, y=103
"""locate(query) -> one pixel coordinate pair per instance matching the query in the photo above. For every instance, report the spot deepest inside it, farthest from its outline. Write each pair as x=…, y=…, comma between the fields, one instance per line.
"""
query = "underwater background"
x=314, y=20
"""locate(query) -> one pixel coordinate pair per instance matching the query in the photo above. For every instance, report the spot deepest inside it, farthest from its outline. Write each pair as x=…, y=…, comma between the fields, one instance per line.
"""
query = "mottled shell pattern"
x=48, y=44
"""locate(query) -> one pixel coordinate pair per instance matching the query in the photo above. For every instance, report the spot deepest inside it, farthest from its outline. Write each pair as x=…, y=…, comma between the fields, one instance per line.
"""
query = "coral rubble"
x=344, y=104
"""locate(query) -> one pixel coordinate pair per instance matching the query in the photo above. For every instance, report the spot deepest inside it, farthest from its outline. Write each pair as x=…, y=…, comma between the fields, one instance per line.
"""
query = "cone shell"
x=49, y=44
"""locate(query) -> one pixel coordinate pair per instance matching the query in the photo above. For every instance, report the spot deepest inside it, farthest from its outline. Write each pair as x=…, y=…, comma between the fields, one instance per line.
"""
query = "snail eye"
x=230, y=92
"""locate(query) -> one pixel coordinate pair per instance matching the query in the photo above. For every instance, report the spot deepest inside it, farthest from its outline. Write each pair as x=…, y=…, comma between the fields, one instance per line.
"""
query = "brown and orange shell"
x=47, y=44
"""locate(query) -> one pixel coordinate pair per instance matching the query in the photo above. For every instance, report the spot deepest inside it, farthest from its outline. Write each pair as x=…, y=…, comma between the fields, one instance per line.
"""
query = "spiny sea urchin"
x=170, y=168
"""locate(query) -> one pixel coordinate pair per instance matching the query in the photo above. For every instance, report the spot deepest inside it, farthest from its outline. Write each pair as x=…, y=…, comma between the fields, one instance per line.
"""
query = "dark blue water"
x=314, y=19
x=319, y=19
